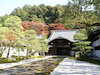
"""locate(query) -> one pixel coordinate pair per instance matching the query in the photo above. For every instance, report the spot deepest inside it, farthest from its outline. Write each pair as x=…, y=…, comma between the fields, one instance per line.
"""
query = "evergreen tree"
x=3, y=38
x=30, y=41
x=82, y=44
x=14, y=35
x=43, y=44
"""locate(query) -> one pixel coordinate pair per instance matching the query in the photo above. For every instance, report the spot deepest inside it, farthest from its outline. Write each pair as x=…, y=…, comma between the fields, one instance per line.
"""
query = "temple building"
x=94, y=37
x=60, y=42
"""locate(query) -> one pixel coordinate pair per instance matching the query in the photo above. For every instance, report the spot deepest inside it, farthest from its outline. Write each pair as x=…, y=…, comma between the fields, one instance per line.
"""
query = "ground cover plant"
x=42, y=67
x=90, y=60
x=17, y=59
x=87, y=59
x=5, y=60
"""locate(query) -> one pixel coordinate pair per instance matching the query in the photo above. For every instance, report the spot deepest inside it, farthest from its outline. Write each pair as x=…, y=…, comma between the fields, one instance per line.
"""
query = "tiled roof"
x=62, y=34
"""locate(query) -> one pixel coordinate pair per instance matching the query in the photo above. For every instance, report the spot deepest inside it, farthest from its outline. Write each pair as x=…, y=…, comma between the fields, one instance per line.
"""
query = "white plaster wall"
x=96, y=43
x=36, y=54
x=96, y=53
x=16, y=53
x=39, y=36
x=72, y=53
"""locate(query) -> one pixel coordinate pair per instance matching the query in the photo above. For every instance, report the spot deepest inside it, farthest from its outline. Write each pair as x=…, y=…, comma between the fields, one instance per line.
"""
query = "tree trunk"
x=27, y=54
x=84, y=52
x=1, y=49
x=18, y=54
x=43, y=54
x=8, y=52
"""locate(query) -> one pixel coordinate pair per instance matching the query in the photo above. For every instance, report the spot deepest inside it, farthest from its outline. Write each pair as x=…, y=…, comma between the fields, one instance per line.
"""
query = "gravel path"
x=74, y=67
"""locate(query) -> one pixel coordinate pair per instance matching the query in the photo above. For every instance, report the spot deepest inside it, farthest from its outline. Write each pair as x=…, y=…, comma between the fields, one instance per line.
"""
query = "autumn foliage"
x=40, y=27
x=26, y=24
x=56, y=26
x=11, y=37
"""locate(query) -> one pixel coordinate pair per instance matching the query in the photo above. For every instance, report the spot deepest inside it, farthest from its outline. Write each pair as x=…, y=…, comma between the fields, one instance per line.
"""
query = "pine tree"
x=30, y=41
x=13, y=23
x=44, y=44
x=82, y=44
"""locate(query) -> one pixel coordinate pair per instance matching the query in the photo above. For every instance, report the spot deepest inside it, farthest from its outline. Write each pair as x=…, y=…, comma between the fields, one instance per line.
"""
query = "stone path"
x=7, y=65
x=74, y=67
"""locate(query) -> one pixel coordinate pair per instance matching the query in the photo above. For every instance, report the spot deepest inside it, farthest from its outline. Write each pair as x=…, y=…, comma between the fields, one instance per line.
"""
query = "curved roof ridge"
x=63, y=30
x=67, y=34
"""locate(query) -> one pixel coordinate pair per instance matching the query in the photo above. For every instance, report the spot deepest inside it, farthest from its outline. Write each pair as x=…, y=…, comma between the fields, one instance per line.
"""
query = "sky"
x=7, y=6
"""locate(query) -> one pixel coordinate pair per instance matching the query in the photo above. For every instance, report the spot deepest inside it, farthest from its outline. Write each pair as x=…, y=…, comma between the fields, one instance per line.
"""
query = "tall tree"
x=20, y=13
x=38, y=13
x=97, y=5
x=3, y=38
x=43, y=44
x=2, y=19
x=82, y=44
x=74, y=17
x=71, y=12
x=11, y=40
x=39, y=27
x=30, y=41
x=14, y=24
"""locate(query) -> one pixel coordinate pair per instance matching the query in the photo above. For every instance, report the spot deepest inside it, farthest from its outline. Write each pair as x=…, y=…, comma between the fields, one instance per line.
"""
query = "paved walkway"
x=74, y=67
x=7, y=65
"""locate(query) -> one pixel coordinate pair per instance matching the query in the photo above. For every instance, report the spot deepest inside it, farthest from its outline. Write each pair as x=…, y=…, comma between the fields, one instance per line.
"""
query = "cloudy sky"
x=7, y=6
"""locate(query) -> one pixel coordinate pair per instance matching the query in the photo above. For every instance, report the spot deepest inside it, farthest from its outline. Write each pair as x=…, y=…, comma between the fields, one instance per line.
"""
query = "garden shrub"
x=0, y=55
x=18, y=58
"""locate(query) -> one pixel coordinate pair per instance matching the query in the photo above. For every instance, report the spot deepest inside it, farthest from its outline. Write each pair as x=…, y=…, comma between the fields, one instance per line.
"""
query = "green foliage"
x=43, y=44
x=71, y=11
x=3, y=38
x=5, y=60
x=97, y=5
x=3, y=31
x=89, y=59
x=13, y=22
x=13, y=32
x=38, y=13
x=12, y=35
x=18, y=58
x=30, y=41
x=0, y=55
x=2, y=19
x=82, y=44
x=71, y=15
x=74, y=16
x=36, y=19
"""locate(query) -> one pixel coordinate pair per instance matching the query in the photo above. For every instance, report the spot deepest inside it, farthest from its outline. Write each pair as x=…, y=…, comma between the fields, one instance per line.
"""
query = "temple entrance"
x=60, y=47
x=61, y=51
